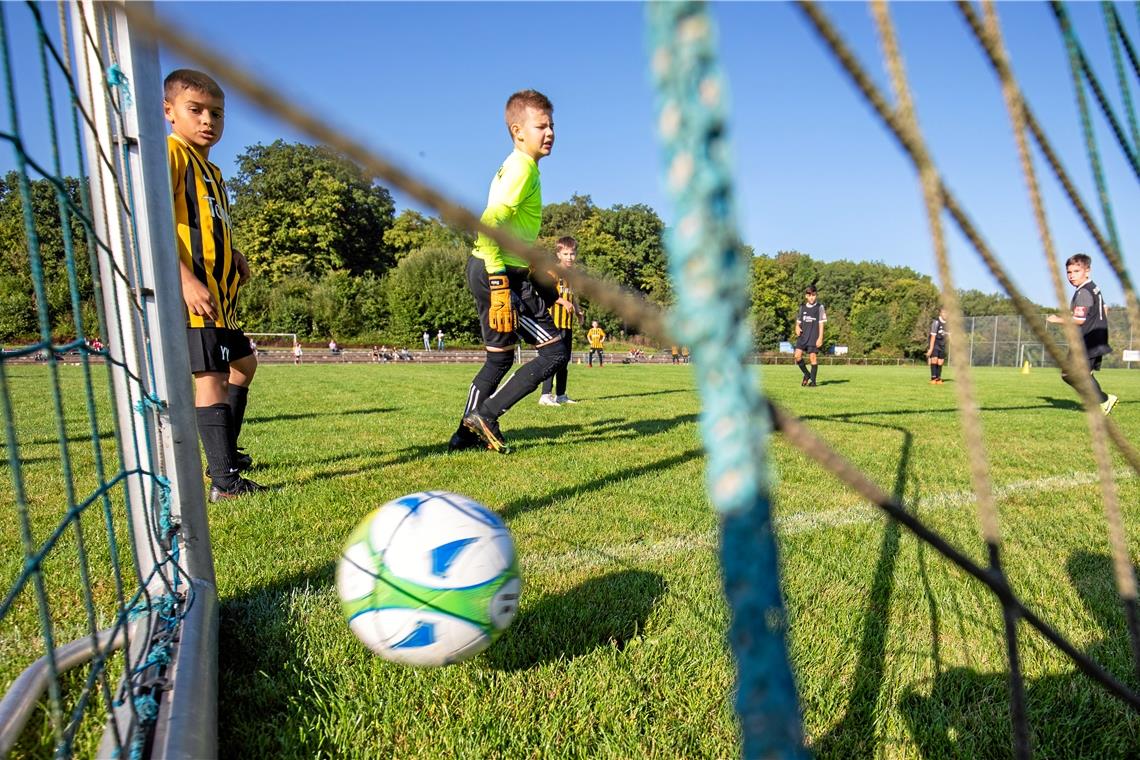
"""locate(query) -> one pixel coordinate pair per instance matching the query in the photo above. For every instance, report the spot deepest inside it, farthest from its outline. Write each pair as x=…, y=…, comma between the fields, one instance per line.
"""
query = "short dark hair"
x=809, y=289
x=567, y=241
x=518, y=103
x=190, y=79
x=1079, y=258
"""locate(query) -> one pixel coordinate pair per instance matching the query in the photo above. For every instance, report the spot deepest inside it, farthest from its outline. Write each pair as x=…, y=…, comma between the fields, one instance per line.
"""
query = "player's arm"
x=242, y=266
x=197, y=296
x=930, y=347
x=822, y=321
x=513, y=187
x=799, y=329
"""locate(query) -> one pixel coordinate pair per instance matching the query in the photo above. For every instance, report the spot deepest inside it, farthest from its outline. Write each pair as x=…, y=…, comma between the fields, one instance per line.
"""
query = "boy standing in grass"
x=936, y=350
x=1091, y=316
x=564, y=312
x=510, y=303
x=221, y=359
x=809, y=334
x=597, y=338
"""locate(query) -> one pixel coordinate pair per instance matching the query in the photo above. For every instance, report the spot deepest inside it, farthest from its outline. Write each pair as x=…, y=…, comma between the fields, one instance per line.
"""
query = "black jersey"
x=1088, y=304
x=939, y=331
x=809, y=319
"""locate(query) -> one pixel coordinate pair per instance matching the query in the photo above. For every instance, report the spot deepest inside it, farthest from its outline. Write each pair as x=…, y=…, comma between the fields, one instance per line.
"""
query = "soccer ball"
x=429, y=579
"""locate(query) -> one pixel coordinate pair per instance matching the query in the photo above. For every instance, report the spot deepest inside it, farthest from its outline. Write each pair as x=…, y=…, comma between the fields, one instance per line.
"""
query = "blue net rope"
x=711, y=272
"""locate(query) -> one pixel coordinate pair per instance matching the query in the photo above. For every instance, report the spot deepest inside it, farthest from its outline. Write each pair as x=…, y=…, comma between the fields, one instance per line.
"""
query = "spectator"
x=427, y=341
x=439, y=340
x=297, y=353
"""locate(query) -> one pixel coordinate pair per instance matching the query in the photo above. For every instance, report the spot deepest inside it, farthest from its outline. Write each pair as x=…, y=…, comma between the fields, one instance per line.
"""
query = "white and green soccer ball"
x=429, y=579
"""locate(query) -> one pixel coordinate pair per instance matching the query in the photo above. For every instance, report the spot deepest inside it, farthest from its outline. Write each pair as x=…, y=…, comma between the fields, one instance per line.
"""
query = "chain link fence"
x=1008, y=340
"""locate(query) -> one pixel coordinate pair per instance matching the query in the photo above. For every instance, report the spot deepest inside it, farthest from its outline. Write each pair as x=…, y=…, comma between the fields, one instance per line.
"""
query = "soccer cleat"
x=242, y=461
x=564, y=399
x=1109, y=402
x=547, y=399
x=805, y=381
x=487, y=428
x=463, y=439
x=811, y=383
x=934, y=381
x=242, y=487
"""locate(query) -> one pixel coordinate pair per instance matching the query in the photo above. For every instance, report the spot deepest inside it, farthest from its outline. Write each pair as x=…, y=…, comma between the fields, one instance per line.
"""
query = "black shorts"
x=213, y=348
x=938, y=352
x=807, y=344
x=535, y=325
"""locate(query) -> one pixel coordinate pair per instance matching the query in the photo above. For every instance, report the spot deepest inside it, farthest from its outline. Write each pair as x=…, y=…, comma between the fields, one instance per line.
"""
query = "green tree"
x=303, y=209
x=18, y=309
x=411, y=231
x=427, y=290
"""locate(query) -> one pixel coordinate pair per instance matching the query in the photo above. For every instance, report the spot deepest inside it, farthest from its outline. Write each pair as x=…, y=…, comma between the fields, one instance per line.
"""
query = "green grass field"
x=618, y=650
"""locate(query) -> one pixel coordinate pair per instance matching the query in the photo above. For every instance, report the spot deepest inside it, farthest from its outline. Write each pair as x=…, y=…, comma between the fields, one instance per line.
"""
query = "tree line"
x=332, y=258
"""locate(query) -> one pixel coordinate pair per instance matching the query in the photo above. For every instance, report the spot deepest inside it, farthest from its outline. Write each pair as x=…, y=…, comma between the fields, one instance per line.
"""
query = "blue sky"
x=424, y=83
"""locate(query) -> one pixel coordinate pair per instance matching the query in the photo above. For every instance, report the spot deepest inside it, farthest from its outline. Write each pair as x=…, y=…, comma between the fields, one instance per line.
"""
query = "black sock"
x=239, y=396
x=1097, y=388
x=814, y=367
x=215, y=429
x=938, y=371
x=496, y=365
x=550, y=359
x=933, y=371
x=803, y=367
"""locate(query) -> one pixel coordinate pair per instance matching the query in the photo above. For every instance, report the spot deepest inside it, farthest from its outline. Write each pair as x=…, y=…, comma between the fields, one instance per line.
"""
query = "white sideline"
x=795, y=523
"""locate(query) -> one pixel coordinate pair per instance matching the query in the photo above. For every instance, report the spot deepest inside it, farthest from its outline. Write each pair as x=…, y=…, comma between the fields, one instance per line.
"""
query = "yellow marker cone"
x=1025, y=368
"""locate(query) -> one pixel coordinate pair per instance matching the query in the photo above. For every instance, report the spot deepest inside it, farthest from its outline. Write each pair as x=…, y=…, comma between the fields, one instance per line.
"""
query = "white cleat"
x=1110, y=402
x=547, y=399
x=564, y=399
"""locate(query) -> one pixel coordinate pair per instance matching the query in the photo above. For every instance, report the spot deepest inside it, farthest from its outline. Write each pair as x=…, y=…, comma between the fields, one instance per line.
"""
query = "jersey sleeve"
x=934, y=327
x=822, y=314
x=1083, y=305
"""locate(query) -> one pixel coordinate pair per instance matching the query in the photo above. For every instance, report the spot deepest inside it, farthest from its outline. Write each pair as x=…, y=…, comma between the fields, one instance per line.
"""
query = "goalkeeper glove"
x=501, y=316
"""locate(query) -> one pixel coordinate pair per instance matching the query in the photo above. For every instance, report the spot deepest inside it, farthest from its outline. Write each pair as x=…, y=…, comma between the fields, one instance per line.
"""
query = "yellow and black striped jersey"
x=563, y=318
x=596, y=336
x=202, y=224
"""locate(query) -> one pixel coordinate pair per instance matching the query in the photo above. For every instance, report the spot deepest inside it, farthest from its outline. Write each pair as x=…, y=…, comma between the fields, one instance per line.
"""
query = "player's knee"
x=500, y=359
x=556, y=353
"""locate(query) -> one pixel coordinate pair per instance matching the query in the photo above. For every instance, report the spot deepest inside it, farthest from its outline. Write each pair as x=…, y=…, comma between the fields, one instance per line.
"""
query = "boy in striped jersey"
x=511, y=304
x=221, y=359
x=564, y=312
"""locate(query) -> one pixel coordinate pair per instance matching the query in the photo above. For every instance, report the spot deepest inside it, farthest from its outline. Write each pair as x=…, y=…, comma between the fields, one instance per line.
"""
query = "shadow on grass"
x=1068, y=404
x=832, y=382
x=264, y=683
x=526, y=504
x=316, y=413
x=645, y=393
x=855, y=735
x=603, y=612
x=966, y=713
x=602, y=430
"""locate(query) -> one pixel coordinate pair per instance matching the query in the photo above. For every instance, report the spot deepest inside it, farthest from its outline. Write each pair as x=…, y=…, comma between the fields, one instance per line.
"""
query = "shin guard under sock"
x=215, y=429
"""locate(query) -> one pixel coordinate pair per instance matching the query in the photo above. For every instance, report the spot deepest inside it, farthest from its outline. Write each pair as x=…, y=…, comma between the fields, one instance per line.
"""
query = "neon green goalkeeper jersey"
x=514, y=204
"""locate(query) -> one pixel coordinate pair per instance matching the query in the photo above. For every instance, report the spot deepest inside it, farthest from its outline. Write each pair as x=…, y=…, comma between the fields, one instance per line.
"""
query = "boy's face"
x=1077, y=274
x=197, y=117
x=567, y=257
x=534, y=136
x=594, y=324
x=810, y=298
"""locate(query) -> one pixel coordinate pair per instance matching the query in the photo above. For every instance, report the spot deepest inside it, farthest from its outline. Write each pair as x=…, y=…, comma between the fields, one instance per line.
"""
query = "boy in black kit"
x=936, y=350
x=1091, y=316
x=809, y=334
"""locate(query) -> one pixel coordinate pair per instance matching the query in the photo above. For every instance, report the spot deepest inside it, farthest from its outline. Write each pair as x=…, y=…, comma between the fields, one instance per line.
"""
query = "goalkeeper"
x=510, y=303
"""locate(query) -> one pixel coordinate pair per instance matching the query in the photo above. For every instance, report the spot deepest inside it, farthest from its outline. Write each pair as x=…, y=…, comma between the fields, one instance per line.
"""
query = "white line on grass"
x=799, y=522
x=802, y=522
